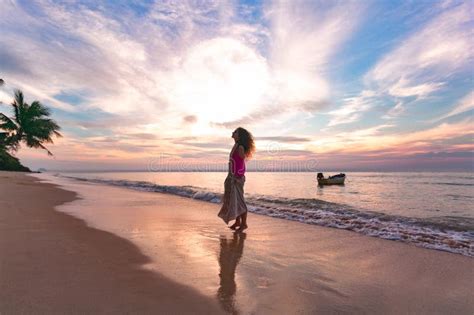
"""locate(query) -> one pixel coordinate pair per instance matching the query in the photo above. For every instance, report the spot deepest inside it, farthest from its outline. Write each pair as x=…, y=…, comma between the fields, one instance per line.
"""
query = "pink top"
x=237, y=163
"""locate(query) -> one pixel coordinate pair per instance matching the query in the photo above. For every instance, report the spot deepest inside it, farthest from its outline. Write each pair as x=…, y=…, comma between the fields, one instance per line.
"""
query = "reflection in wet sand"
x=230, y=252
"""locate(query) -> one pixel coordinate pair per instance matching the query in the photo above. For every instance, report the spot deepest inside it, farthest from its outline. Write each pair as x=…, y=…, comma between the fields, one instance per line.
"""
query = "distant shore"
x=155, y=253
x=10, y=163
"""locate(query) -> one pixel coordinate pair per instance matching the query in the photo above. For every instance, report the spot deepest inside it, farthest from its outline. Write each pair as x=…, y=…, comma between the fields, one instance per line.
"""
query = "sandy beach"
x=52, y=263
x=90, y=248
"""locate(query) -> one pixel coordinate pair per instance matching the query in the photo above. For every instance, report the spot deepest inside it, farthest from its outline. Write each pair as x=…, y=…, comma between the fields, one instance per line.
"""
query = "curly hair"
x=246, y=140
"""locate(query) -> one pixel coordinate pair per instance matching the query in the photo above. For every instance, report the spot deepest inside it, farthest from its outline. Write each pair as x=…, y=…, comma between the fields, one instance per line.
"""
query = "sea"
x=429, y=209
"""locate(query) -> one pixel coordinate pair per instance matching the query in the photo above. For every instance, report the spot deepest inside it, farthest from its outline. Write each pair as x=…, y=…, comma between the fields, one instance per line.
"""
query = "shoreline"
x=436, y=233
x=176, y=244
x=53, y=262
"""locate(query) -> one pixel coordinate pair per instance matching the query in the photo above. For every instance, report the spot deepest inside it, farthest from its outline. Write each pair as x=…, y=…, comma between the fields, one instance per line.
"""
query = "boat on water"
x=331, y=180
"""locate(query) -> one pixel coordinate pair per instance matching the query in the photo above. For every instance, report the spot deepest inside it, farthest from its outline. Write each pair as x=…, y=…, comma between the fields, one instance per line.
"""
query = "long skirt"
x=233, y=202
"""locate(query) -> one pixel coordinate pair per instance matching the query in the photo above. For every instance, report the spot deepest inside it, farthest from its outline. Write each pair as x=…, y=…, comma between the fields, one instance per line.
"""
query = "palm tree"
x=31, y=124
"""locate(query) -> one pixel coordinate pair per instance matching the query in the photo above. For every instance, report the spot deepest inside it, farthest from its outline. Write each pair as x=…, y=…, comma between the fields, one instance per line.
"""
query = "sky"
x=322, y=85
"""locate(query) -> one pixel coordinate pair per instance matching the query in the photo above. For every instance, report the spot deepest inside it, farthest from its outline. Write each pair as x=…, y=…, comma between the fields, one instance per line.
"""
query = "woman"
x=234, y=207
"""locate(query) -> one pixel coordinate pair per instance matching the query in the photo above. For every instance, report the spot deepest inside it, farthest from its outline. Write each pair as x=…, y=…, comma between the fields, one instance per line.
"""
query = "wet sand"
x=150, y=252
x=52, y=263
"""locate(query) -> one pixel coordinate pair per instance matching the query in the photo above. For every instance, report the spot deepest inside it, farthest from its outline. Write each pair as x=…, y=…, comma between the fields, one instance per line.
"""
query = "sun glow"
x=220, y=79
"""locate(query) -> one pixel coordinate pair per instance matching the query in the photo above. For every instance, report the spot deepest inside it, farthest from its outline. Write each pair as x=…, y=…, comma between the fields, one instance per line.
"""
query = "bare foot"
x=242, y=227
x=234, y=226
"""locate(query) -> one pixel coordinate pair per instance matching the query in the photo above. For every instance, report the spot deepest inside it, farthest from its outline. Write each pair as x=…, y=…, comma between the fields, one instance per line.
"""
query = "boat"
x=331, y=180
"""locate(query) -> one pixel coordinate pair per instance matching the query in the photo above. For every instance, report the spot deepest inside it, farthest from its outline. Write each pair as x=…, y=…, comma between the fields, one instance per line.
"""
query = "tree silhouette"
x=30, y=125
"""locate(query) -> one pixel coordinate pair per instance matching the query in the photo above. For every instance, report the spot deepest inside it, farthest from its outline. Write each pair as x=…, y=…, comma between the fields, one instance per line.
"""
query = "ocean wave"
x=416, y=175
x=450, y=234
x=448, y=184
x=462, y=197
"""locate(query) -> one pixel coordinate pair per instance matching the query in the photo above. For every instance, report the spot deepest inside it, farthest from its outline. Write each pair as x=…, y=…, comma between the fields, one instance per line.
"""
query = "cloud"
x=12, y=62
x=65, y=63
x=289, y=139
x=422, y=63
x=111, y=121
x=304, y=37
x=464, y=105
x=79, y=48
x=373, y=139
x=272, y=111
x=190, y=119
x=419, y=66
x=204, y=142
x=352, y=108
x=402, y=89
x=5, y=98
x=395, y=111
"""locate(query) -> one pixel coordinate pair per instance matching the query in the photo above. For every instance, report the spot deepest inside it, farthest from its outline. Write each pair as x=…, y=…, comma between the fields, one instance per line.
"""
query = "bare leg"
x=236, y=224
x=243, y=224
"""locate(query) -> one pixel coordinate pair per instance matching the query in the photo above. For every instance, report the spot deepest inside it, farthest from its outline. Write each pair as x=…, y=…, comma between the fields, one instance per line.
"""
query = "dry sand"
x=156, y=253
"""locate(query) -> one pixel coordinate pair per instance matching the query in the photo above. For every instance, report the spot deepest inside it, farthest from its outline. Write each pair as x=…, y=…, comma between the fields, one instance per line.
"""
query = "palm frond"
x=19, y=98
x=33, y=142
x=36, y=109
x=18, y=105
x=3, y=137
x=42, y=128
x=31, y=124
x=6, y=123
x=9, y=141
x=44, y=148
